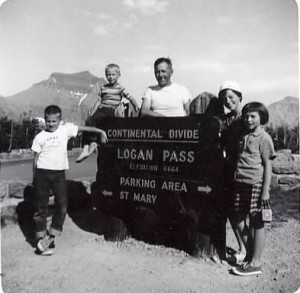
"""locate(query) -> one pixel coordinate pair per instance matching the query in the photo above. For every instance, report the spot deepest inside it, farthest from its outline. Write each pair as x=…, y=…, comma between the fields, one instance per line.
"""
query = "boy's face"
x=252, y=120
x=112, y=75
x=52, y=121
x=163, y=73
x=230, y=100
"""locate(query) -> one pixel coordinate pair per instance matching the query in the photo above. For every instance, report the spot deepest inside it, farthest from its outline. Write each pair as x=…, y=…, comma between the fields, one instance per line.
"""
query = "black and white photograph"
x=149, y=146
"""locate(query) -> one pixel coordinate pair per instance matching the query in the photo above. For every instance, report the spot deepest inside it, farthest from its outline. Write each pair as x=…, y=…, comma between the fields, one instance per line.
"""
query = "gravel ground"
x=85, y=262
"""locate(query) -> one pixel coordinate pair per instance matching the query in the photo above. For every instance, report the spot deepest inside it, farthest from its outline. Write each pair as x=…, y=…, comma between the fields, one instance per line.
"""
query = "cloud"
x=127, y=25
x=100, y=30
x=211, y=66
x=142, y=63
x=99, y=16
x=224, y=20
x=147, y=6
x=142, y=69
x=288, y=82
x=269, y=90
x=156, y=48
x=104, y=24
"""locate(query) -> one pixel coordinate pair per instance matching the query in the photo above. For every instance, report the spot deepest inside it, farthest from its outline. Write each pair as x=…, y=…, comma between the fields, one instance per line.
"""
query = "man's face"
x=163, y=73
x=52, y=122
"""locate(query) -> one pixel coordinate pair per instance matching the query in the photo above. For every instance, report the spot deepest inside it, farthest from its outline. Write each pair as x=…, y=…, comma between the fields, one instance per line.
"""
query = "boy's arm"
x=134, y=103
x=35, y=158
x=94, y=130
x=131, y=99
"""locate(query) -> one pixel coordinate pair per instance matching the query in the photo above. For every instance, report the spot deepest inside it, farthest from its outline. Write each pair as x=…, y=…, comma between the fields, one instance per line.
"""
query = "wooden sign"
x=151, y=160
x=164, y=178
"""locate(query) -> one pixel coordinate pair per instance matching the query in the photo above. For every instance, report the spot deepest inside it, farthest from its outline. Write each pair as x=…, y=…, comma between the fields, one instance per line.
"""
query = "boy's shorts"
x=247, y=198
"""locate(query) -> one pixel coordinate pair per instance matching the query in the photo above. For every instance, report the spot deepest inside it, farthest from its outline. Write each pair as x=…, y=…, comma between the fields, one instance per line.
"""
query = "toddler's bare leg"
x=84, y=154
x=92, y=147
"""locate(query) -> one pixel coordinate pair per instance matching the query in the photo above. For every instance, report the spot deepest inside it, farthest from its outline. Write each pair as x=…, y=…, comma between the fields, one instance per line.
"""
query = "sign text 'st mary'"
x=148, y=160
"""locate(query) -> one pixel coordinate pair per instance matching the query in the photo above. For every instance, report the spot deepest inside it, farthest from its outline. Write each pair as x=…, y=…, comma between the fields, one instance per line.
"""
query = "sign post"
x=169, y=166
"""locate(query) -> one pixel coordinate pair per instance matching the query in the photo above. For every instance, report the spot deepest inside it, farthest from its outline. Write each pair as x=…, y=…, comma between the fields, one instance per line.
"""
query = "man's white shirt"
x=168, y=100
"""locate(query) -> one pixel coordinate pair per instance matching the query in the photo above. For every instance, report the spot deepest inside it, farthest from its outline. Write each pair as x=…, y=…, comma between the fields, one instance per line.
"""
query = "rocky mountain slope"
x=3, y=106
x=74, y=93
x=285, y=112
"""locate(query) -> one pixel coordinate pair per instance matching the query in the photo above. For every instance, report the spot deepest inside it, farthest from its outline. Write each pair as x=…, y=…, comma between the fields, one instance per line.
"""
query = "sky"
x=254, y=42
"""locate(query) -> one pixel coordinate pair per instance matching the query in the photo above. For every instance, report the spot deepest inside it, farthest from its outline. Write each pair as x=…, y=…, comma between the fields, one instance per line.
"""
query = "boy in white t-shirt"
x=49, y=165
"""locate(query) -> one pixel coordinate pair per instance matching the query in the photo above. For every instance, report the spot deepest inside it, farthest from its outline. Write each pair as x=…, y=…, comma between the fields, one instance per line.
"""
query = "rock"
x=4, y=190
x=285, y=182
x=8, y=215
x=16, y=189
x=297, y=163
x=289, y=181
x=8, y=211
x=206, y=103
x=284, y=163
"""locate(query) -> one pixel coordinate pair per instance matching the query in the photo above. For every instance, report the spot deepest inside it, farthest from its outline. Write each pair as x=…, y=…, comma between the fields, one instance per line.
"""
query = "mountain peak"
x=290, y=99
x=285, y=112
x=82, y=74
x=64, y=89
x=71, y=78
x=81, y=81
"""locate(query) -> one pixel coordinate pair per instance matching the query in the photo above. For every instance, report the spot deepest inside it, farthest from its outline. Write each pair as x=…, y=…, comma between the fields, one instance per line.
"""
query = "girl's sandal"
x=245, y=264
x=247, y=270
x=236, y=258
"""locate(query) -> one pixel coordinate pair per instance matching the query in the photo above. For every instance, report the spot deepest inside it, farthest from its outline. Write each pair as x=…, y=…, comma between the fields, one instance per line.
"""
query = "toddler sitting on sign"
x=108, y=105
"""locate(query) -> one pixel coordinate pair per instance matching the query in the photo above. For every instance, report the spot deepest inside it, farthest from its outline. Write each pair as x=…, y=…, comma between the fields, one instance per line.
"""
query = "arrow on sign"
x=107, y=193
x=206, y=189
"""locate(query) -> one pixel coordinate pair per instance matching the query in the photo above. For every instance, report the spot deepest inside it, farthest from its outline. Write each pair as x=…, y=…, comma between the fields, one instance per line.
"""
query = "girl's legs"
x=258, y=239
x=242, y=233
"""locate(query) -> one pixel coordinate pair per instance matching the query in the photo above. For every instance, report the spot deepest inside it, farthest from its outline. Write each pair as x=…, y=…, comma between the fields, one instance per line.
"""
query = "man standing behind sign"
x=167, y=98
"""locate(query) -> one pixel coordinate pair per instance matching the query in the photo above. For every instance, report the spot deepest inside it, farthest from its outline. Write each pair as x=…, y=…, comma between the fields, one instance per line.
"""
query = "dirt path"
x=85, y=262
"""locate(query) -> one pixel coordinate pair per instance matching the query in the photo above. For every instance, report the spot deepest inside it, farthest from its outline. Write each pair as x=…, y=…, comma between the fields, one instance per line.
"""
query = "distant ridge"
x=63, y=89
x=82, y=81
x=3, y=106
x=285, y=112
x=68, y=90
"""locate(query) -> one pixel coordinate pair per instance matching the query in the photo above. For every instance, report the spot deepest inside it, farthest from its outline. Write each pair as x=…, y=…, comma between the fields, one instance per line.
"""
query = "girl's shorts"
x=247, y=198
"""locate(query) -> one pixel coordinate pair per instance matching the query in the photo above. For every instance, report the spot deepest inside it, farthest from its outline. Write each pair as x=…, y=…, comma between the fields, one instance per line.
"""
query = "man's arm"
x=94, y=130
x=146, y=109
x=186, y=107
